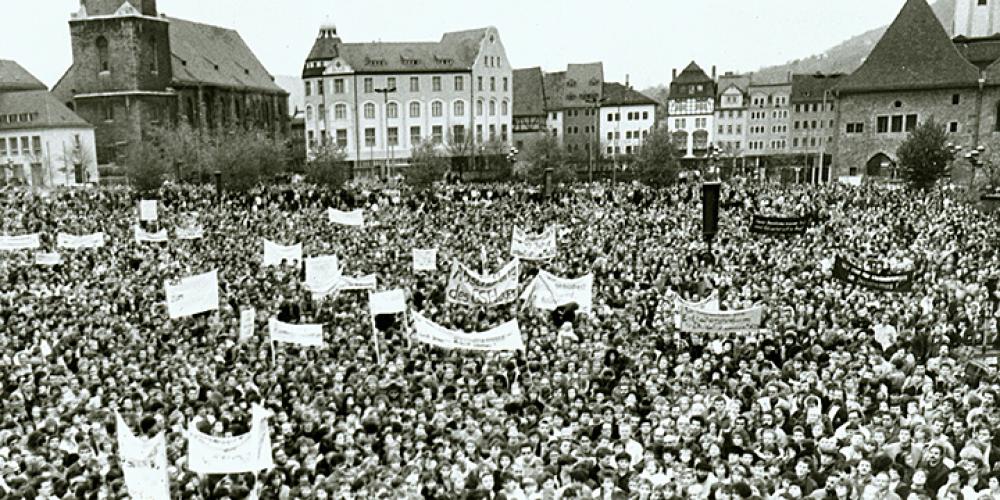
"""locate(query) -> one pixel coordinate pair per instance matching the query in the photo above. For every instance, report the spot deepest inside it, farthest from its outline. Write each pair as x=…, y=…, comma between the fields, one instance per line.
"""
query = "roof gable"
x=456, y=51
x=206, y=54
x=617, y=94
x=583, y=82
x=529, y=92
x=553, y=90
x=45, y=110
x=914, y=52
x=14, y=77
x=692, y=74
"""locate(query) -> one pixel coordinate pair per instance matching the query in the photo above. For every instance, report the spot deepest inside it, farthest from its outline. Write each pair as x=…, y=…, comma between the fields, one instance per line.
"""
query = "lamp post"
x=712, y=172
x=218, y=185
x=385, y=121
x=595, y=106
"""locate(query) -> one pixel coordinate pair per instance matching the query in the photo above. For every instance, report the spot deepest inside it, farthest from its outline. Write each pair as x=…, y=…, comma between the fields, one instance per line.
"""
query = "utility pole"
x=595, y=105
x=385, y=122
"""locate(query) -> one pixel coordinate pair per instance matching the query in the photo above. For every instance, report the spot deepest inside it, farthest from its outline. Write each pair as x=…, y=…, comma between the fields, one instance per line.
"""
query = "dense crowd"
x=844, y=393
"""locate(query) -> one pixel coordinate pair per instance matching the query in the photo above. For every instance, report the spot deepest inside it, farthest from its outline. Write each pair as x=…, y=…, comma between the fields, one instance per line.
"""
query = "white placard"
x=248, y=318
x=526, y=246
x=275, y=253
x=307, y=335
x=20, y=242
x=147, y=210
x=144, y=463
x=250, y=452
x=190, y=233
x=193, y=295
x=74, y=242
x=353, y=218
x=48, y=258
x=322, y=274
x=424, y=260
x=468, y=287
x=143, y=236
x=391, y=302
x=549, y=291
x=506, y=337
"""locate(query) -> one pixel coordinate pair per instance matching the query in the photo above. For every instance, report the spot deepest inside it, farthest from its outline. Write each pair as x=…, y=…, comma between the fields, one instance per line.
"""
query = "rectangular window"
x=953, y=127
x=308, y=89
x=36, y=145
x=393, y=136
x=342, y=137
x=505, y=86
x=414, y=135
x=369, y=85
x=493, y=132
x=911, y=122
x=458, y=134
x=503, y=132
x=882, y=125
x=479, y=133
x=897, y=124
x=390, y=83
x=611, y=117
x=13, y=146
x=436, y=84
x=340, y=112
x=370, y=137
x=320, y=87
x=109, y=112
x=956, y=99
x=459, y=83
x=338, y=86
x=493, y=84
x=25, y=146
x=795, y=142
x=414, y=84
x=479, y=85
x=610, y=136
x=437, y=134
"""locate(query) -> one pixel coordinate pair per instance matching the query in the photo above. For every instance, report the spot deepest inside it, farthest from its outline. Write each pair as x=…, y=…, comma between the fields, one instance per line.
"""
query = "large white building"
x=377, y=101
x=42, y=142
x=626, y=118
x=691, y=113
x=976, y=18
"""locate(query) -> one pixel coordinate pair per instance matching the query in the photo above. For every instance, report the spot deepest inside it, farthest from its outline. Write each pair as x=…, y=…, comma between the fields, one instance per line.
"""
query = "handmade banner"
x=708, y=304
x=144, y=463
x=20, y=242
x=533, y=247
x=353, y=218
x=322, y=274
x=548, y=291
x=468, y=287
x=366, y=282
x=248, y=318
x=307, y=335
x=147, y=210
x=250, y=452
x=849, y=272
x=766, y=224
x=193, y=295
x=850, y=180
x=424, y=260
x=700, y=321
x=48, y=259
x=391, y=302
x=73, y=242
x=143, y=236
x=189, y=233
x=275, y=253
x=506, y=337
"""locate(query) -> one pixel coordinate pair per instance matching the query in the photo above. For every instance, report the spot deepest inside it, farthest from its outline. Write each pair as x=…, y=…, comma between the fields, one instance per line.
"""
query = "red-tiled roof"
x=14, y=77
x=529, y=92
x=915, y=52
x=617, y=94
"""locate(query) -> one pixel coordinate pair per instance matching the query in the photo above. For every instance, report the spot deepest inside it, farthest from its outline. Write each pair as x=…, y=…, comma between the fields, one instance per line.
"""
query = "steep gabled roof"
x=687, y=84
x=583, y=82
x=14, y=77
x=457, y=51
x=617, y=94
x=692, y=74
x=915, y=52
x=554, y=87
x=206, y=54
x=46, y=111
x=811, y=88
x=529, y=92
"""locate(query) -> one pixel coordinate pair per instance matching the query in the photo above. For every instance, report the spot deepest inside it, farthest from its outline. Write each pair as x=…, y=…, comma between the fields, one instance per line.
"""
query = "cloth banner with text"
x=248, y=319
x=548, y=291
x=849, y=272
x=275, y=253
x=250, y=452
x=766, y=224
x=144, y=463
x=48, y=258
x=74, y=242
x=709, y=304
x=20, y=242
x=701, y=321
x=306, y=335
x=189, y=233
x=193, y=295
x=506, y=337
x=391, y=302
x=527, y=246
x=143, y=236
x=353, y=218
x=322, y=274
x=424, y=260
x=468, y=287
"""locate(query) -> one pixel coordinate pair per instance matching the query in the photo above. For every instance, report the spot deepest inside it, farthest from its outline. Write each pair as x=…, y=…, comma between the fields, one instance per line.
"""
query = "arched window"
x=369, y=111
x=503, y=108
x=392, y=110
x=414, y=110
x=102, y=54
x=460, y=108
x=479, y=108
x=437, y=109
x=340, y=112
x=154, y=60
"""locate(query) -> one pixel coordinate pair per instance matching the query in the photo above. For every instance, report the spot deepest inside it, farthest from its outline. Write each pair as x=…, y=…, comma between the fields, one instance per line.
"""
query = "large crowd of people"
x=844, y=392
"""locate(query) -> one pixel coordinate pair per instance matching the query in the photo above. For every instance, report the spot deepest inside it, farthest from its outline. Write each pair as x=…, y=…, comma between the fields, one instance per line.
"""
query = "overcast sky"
x=644, y=38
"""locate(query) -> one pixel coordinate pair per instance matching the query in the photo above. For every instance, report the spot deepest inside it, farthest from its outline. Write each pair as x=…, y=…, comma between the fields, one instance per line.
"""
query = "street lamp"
x=595, y=105
x=385, y=122
x=712, y=173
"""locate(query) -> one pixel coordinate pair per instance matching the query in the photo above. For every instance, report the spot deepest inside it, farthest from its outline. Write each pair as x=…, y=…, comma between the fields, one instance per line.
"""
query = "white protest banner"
x=250, y=452
x=322, y=274
x=147, y=210
x=699, y=321
x=48, y=259
x=850, y=180
x=533, y=247
x=709, y=304
x=366, y=282
x=352, y=218
x=248, y=317
x=467, y=287
x=307, y=335
x=20, y=242
x=425, y=260
x=391, y=302
x=275, y=253
x=506, y=337
x=193, y=295
x=550, y=291
x=144, y=463
x=143, y=236
x=189, y=233
x=73, y=242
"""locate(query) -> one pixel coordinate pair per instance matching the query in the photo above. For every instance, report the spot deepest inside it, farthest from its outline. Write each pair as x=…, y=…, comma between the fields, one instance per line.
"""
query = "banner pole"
x=378, y=351
x=406, y=330
x=274, y=356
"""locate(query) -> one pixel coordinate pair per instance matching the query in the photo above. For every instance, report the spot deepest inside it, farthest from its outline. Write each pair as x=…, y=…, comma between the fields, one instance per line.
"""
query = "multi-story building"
x=731, y=120
x=134, y=69
x=691, y=113
x=42, y=142
x=529, y=115
x=378, y=101
x=582, y=96
x=813, y=119
x=768, y=124
x=916, y=73
x=976, y=18
x=626, y=119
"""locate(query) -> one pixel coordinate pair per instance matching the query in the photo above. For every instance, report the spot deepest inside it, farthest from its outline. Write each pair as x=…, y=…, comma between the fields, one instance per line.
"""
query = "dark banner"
x=889, y=282
x=764, y=224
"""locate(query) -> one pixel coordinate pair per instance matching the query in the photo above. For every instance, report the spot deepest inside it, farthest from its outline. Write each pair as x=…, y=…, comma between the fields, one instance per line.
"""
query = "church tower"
x=977, y=18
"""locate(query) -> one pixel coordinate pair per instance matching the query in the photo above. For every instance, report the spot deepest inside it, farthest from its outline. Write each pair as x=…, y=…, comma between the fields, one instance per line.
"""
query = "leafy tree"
x=428, y=165
x=656, y=163
x=544, y=153
x=328, y=167
x=148, y=166
x=924, y=156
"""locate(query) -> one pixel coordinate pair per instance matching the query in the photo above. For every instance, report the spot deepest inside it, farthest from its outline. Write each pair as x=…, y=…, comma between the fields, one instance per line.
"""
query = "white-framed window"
x=504, y=108
x=369, y=111
x=459, y=108
x=414, y=110
x=392, y=110
x=493, y=108
x=437, y=109
x=340, y=111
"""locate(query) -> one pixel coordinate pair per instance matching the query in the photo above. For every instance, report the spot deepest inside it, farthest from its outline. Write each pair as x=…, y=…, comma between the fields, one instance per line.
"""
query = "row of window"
x=339, y=85
x=576, y=130
x=690, y=106
x=759, y=145
x=776, y=101
x=728, y=129
x=731, y=114
x=415, y=110
x=730, y=145
x=814, y=124
x=681, y=123
x=810, y=141
x=339, y=137
x=617, y=150
x=19, y=117
x=617, y=117
x=29, y=146
x=629, y=134
x=812, y=108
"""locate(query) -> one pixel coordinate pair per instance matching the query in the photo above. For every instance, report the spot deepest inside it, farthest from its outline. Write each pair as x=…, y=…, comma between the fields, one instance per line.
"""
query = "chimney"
x=626, y=81
x=713, y=72
x=673, y=73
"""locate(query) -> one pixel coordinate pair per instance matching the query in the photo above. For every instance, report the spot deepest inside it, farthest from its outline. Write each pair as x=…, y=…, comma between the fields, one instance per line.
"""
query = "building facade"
x=813, y=124
x=42, y=142
x=691, y=112
x=529, y=121
x=731, y=120
x=134, y=69
x=768, y=124
x=976, y=18
x=377, y=101
x=626, y=119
